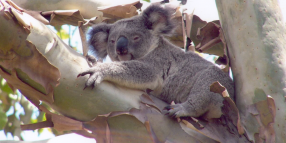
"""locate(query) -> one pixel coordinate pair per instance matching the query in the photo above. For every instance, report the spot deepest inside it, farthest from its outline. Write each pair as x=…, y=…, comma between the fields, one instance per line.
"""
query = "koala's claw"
x=94, y=79
x=176, y=110
x=79, y=75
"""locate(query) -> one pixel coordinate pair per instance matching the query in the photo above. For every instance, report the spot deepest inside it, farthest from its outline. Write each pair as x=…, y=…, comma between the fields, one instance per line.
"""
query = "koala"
x=143, y=59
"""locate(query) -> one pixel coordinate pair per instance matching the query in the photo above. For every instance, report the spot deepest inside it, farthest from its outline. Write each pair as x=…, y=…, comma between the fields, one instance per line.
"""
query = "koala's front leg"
x=132, y=74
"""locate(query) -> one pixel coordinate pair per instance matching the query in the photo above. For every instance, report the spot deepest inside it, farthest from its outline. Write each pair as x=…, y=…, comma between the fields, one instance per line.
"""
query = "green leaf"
x=63, y=34
x=41, y=117
x=40, y=131
x=5, y=87
x=3, y=118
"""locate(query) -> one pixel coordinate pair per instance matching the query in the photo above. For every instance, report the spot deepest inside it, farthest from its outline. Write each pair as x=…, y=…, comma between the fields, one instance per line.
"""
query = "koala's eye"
x=112, y=41
x=136, y=38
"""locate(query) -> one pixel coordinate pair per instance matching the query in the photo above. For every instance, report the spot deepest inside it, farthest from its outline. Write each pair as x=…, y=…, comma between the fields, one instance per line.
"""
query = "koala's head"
x=131, y=38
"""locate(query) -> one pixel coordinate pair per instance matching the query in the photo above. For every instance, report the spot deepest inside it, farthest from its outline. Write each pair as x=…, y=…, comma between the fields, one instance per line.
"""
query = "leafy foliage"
x=15, y=110
x=3, y=118
x=63, y=34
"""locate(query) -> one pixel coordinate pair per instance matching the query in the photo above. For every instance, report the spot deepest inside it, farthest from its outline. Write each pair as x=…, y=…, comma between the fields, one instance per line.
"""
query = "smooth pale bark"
x=255, y=34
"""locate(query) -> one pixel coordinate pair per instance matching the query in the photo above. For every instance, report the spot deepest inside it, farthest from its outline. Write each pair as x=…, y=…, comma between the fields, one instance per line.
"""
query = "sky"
x=282, y=4
x=205, y=9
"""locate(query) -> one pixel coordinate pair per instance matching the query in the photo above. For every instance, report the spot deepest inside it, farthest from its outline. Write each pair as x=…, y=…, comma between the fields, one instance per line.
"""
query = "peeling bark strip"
x=57, y=17
x=264, y=112
x=31, y=94
x=120, y=11
x=225, y=129
x=212, y=41
x=208, y=39
x=187, y=20
x=24, y=60
x=233, y=113
x=206, y=35
x=82, y=30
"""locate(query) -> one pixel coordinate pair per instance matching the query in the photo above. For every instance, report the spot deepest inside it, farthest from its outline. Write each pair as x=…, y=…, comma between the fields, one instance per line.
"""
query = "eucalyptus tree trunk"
x=256, y=37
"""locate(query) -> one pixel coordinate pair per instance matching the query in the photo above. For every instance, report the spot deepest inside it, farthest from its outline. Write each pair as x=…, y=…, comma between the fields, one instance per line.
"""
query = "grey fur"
x=156, y=64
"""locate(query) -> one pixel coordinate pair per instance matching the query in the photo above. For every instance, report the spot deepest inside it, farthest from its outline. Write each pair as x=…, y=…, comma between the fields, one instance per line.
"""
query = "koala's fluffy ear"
x=158, y=19
x=98, y=39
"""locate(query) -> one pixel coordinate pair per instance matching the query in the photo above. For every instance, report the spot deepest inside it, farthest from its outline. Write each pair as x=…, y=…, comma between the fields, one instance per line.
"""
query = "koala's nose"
x=122, y=46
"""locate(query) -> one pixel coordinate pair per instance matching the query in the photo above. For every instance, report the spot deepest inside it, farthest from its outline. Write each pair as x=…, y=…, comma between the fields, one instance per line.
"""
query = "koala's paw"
x=176, y=110
x=96, y=77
